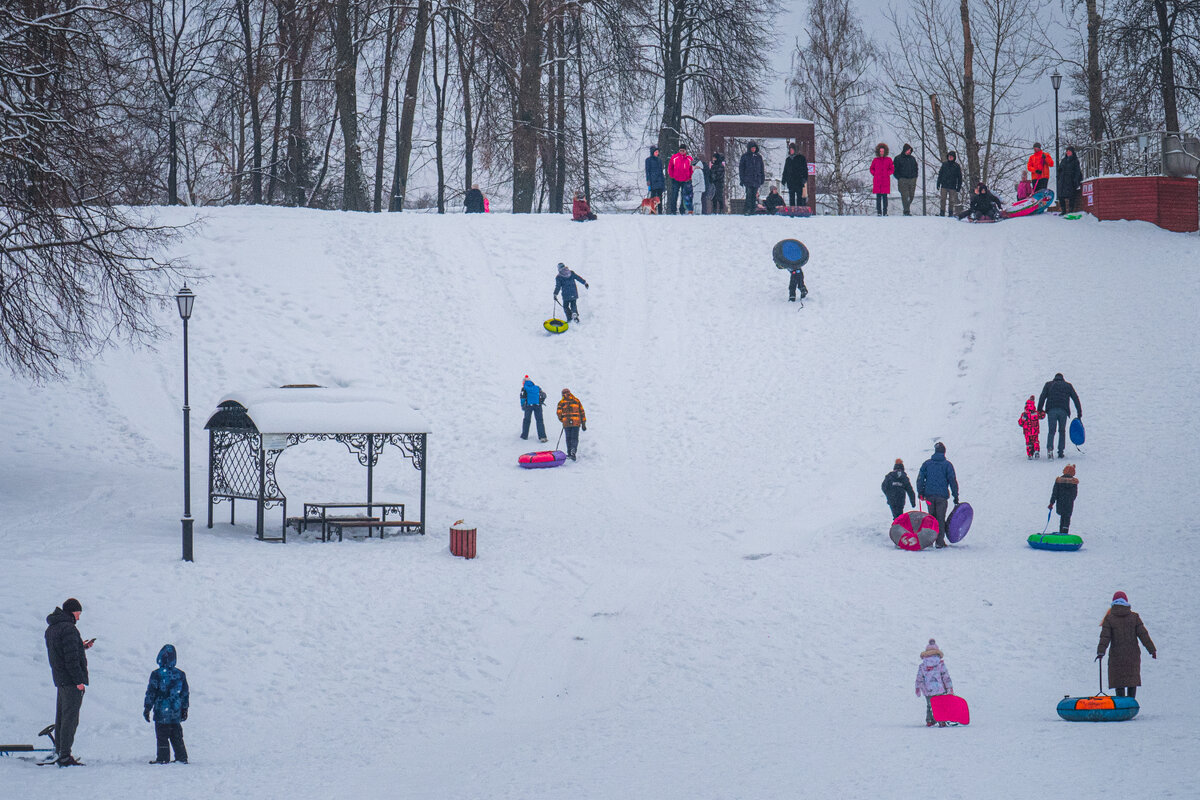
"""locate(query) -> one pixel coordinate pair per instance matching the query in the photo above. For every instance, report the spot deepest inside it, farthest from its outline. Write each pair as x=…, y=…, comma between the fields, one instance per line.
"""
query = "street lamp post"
x=1056, y=80
x=172, y=170
x=185, y=298
x=924, y=184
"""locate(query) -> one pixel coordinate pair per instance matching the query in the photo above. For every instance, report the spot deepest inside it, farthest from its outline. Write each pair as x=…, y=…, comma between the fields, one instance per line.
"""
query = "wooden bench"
x=302, y=523
x=337, y=527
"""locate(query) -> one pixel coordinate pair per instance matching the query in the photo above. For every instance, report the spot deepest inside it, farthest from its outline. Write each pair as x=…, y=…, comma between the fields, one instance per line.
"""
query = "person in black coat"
x=1055, y=400
x=795, y=175
x=751, y=174
x=1066, y=489
x=717, y=173
x=474, y=200
x=983, y=204
x=895, y=486
x=949, y=184
x=906, y=172
x=655, y=182
x=1070, y=181
x=67, y=652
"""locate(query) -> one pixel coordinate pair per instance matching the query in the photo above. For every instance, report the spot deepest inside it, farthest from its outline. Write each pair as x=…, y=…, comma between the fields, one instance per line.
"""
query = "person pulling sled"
x=572, y=417
x=565, y=283
x=1066, y=489
x=895, y=486
x=932, y=679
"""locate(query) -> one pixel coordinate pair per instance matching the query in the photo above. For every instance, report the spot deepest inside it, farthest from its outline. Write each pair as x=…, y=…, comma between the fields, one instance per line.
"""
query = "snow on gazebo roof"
x=758, y=120
x=316, y=409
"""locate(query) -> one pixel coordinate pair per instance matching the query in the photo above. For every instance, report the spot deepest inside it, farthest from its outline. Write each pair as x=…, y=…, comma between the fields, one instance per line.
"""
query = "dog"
x=650, y=205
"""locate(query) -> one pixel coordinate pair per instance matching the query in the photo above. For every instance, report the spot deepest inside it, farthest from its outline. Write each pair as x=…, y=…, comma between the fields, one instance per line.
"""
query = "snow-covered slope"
x=707, y=604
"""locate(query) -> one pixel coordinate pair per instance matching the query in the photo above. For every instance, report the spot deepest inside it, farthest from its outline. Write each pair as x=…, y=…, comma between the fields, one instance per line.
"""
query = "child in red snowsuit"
x=1029, y=422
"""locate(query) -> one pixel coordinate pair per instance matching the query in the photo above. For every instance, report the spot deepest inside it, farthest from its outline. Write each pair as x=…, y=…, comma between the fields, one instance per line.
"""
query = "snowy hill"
x=707, y=604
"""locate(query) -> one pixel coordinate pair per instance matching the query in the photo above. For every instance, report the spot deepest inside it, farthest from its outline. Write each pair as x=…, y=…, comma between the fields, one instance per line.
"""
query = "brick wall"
x=1170, y=203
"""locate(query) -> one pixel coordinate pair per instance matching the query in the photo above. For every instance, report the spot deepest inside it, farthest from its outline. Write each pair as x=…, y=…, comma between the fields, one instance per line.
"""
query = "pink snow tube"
x=542, y=459
x=914, y=530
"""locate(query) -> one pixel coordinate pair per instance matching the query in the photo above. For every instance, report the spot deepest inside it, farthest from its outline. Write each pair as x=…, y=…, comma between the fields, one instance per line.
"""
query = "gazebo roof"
x=317, y=410
x=751, y=119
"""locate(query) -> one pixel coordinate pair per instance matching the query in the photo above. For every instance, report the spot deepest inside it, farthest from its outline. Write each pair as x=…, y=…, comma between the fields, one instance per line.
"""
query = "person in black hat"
x=67, y=652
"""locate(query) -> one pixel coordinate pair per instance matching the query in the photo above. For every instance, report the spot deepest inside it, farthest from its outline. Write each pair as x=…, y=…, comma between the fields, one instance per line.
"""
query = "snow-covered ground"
x=707, y=604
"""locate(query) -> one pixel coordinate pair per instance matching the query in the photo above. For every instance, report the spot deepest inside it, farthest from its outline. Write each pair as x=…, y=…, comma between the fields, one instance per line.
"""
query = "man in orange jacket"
x=1039, y=165
x=571, y=415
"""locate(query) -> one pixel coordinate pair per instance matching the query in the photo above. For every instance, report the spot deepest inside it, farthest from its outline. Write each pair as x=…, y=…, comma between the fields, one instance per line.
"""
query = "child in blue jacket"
x=167, y=695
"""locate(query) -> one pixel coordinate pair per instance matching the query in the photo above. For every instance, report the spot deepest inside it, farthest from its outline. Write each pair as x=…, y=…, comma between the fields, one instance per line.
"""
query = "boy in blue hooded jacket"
x=167, y=695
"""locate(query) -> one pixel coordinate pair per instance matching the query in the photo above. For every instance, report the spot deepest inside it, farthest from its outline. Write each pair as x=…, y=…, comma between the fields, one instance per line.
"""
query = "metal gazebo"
x=249, y=431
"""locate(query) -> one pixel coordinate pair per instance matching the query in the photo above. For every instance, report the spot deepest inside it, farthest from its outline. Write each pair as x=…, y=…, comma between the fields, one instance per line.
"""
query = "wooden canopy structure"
x=721, y=130
x=249, y=431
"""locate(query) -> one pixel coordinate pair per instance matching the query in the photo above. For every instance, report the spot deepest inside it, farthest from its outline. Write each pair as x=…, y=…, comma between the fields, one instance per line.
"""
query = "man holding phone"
x=68, y=663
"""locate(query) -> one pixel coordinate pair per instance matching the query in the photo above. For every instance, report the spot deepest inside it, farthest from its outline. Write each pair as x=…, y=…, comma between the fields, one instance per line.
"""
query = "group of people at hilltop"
x=683, y=174
x=982, y=201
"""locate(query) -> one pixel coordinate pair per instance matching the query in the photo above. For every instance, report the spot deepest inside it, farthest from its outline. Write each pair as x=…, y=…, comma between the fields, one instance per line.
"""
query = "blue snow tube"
x=1101, y=708
x=790, y=254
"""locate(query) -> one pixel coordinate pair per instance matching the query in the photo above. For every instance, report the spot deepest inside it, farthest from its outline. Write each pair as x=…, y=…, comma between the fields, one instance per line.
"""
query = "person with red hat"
x=1120, y=631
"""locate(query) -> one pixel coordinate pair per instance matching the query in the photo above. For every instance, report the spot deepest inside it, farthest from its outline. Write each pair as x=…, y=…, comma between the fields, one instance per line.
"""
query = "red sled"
x=950, y=709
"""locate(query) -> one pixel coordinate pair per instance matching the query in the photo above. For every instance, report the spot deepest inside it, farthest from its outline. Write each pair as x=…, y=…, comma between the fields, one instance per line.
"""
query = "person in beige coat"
x=1121, y=629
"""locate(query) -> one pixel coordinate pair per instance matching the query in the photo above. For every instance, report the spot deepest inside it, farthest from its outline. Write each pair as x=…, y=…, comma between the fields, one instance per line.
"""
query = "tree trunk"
x=345, y=87
x=295, y=175
x=411, y=87
x=439, y=119
x=672, y=116
x=1167, y=66
x=939, y=126
x=560, y=138
x=583, y=131
x=527, y=118
x=549, y=140
x=1093, y=77
x=970, y=135
x=279, y=94
x=466, y=72
x=381, y=139
x=252, y=80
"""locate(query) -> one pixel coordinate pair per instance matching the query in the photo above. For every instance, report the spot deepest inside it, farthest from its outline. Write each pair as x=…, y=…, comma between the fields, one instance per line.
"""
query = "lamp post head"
x=172, y=113
x=185, y=298
x=1143, y=141
x=1056, y=80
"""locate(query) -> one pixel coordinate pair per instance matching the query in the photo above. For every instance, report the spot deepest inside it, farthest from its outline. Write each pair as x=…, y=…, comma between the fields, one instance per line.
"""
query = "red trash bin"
x=462, y=540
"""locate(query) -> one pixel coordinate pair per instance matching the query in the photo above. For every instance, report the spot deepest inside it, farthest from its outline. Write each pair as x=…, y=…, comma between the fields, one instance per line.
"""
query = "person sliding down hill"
x=565, y=283
x=935, y=483
x=1031, y=425
x=571, y=415
x=895, y=485
x=984, y=204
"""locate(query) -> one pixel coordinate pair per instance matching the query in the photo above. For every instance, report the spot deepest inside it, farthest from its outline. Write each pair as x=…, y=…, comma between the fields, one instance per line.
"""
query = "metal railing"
x=1152, y=153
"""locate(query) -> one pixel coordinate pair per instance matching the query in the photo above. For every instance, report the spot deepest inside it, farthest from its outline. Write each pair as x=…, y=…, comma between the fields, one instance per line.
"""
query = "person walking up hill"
x=573, y=418
x=1120, y=631
x=565, y=283
x=895, y=486
x=935, y=483
x=1055, y=400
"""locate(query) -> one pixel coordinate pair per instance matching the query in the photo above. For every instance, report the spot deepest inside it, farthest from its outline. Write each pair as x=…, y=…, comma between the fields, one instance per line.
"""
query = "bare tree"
x=76, y=272
x=830, y=83
x=1159, y=42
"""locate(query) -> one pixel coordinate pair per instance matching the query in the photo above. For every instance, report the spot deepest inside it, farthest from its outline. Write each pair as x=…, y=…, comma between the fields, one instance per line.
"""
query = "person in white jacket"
x=697, y=187
x=932, y=678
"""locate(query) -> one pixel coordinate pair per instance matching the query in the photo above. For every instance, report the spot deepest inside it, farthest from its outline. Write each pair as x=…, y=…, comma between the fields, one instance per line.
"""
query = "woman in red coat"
x=580, y=210
x=882, y=169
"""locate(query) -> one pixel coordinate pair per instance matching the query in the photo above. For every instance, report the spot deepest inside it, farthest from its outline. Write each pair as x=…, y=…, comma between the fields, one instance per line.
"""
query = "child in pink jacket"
x=881, y=182
x=932, y=678
x=1029, y=422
